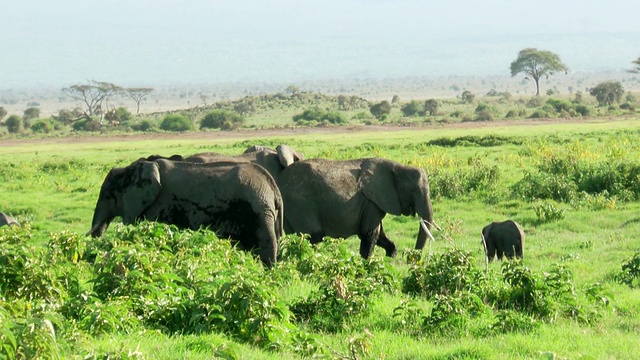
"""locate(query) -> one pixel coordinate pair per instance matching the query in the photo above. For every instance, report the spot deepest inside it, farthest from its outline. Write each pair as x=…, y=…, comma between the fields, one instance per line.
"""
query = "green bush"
x=221, y=119
x=318, y=115
x=86, y=125
x=14, y=124
x=630, y=274
x=42, y=126
x=175, y=122
x=144, y=125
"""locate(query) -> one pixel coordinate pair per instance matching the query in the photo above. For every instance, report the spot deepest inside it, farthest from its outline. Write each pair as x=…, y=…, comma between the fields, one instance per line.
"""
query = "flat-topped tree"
x=537, y=63
x=92, y=94
x=138, y=94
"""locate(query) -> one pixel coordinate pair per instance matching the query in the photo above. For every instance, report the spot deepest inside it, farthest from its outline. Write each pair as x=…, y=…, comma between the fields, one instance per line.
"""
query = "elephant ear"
x=287, y=155
x=377, y=180
x=142, y=191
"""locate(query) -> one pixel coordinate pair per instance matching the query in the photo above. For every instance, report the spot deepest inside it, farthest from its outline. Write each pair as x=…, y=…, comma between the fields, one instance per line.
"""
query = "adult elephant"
x=273, y=160
x=504, y=238
x=239, y=201
x=7, y=220
x=344, y=198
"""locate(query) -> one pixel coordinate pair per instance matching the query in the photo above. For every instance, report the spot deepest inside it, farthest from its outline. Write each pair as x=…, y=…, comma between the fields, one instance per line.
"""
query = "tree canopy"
x=607, y=93
x=537, y=63
x=636, y=69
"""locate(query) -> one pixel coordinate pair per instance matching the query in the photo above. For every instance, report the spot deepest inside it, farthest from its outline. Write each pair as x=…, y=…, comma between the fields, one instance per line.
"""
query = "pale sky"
x=148, y=42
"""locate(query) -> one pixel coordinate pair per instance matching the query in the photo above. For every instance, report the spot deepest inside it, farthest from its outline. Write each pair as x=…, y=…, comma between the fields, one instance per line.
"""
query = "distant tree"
x=343, y=102
x=431, y=106
x=3, y=113
x=14, y=124
x=467, y=97
x=138, y=94
x=31, y=113
x=381, y=109
x=411, y=109
x=92, y=94
x=537, y=63
x=244, y=107
x=221, y=119
x=608, y=92
x=292, y=89
x=395, y=99
x=636, y=69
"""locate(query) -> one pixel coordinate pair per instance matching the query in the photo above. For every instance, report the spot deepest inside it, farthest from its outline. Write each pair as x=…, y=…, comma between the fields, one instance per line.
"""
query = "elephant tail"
x=279, y=219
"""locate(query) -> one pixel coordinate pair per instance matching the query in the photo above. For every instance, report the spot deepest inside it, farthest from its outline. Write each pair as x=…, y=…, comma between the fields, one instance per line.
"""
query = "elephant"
x=503, y=238
x=7, y=220
x=238, y=201
x=273, y=160
x=340, y=198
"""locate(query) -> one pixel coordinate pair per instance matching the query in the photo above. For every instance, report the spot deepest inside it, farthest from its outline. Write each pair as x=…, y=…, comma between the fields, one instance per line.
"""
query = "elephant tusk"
x=426, y=229
x=436, y=226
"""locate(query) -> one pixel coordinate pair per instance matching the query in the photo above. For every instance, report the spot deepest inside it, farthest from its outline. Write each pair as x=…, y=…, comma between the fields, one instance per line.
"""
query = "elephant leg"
x=499, y=253
x=491, y=251
x=385, y=243
x=368, y=242
x=316, y=238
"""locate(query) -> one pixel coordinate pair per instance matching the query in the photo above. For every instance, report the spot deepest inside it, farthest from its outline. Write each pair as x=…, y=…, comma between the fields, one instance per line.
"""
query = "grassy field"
x=573, y=186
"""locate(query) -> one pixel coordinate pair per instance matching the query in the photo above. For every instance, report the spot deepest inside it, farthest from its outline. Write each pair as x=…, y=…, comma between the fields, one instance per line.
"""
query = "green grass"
x=53, y=185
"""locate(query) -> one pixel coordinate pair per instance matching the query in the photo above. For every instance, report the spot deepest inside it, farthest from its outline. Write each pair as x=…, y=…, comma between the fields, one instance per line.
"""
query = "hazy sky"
x=150, y=42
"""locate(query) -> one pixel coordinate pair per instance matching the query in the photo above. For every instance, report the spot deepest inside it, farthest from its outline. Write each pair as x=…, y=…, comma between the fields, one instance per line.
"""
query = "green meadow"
x=152, y=291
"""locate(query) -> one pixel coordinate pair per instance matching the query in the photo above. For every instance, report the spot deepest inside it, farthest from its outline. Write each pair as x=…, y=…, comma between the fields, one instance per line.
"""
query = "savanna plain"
x=152, y=291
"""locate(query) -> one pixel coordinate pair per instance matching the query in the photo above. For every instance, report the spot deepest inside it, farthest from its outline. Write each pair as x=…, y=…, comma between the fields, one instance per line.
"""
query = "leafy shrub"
x=548, y=212
x=175, y=122
x=347, y=285
x=318, y=115
x=86, y=125
x=445, y=274
x=42, y=126
x=221, y=119
x=412, y=108
x=475, y=140
x=144, y=125
x=630, y=274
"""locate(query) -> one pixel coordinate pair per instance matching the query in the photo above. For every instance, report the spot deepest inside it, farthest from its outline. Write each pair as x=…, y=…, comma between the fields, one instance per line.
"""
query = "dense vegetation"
x=295, y=109
x=152, y=291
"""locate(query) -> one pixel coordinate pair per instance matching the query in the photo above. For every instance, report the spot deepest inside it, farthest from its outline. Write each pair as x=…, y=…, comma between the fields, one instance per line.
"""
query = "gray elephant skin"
x=343, y=198
x=7, y=220
x=238, y=201
x=504, y=238
x=273, y=160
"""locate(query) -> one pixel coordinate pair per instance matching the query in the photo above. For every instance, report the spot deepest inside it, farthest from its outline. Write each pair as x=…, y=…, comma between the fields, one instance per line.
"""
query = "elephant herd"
x=257, y=196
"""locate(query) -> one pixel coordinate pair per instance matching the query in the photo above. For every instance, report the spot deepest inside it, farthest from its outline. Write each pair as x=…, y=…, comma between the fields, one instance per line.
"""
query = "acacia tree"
x=138, y=94
x=92, y=94
x=636, y=69
x=537, y=63
x=607, y=93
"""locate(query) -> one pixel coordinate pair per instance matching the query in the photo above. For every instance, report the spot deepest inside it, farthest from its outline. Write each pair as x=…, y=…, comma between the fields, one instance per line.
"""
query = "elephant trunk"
x=100, y=222
x=426, y=221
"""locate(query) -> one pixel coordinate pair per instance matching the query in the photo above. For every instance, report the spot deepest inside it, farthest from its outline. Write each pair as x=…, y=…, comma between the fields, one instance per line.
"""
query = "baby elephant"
x=503, y=238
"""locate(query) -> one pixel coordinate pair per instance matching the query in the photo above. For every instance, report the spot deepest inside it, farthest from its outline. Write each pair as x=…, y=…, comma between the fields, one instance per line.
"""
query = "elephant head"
x=399, y=190
x=125, y=192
